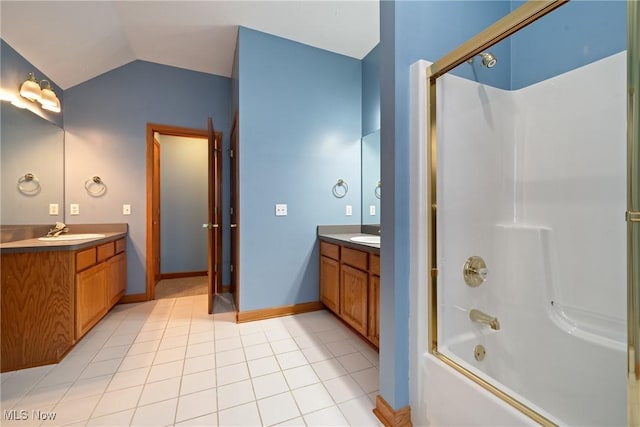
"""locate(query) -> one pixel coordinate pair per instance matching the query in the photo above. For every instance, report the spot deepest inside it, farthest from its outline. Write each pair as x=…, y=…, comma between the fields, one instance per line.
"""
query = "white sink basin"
x=372, y=240
x=62, y=237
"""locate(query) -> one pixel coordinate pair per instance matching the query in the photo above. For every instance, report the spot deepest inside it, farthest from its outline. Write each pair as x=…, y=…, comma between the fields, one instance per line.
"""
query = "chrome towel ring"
x=377, y=190
x=29, y=184
x=95, y=186
x=340, y=188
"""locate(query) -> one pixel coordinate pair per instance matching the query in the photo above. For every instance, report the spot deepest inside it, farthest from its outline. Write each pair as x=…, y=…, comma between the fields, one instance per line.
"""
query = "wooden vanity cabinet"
x=353, y=298
x=373, y=331
x=50, y=299
x=91, y=298
x=38, y=301
x=350, y=287
x=330, y=276
x=116, y=278
x=101, y=280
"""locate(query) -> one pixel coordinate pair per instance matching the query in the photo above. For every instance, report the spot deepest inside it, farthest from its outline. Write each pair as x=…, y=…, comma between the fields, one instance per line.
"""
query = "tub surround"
x=53, y=293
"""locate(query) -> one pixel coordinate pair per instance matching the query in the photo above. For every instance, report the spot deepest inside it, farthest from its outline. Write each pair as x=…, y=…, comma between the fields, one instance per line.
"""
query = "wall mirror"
x=32, y=168
x=371, y=186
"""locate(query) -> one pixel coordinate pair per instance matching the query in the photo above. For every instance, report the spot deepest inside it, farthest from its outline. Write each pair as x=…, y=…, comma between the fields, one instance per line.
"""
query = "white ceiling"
x=74, y=41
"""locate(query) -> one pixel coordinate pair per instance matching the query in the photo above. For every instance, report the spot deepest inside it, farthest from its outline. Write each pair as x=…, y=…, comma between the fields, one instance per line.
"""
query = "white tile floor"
x=167, y=362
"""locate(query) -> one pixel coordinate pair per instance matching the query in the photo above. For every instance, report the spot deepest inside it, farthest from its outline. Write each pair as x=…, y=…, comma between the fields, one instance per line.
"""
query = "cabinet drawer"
x=374, y=264
x=85, y=258
x=355, y=258
x=121, y=245
x=105, y=251
x=330, y=250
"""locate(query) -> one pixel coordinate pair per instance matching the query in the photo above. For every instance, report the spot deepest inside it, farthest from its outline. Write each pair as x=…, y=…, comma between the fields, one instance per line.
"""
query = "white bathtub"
x=564, y=381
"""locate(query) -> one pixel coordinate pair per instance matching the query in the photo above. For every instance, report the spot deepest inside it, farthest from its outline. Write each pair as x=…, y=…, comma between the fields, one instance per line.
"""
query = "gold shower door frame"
x=633, y=210
x=505, y=27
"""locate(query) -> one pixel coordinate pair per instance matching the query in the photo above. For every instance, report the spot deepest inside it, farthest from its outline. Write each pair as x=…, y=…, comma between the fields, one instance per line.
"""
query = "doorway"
x=192, y=254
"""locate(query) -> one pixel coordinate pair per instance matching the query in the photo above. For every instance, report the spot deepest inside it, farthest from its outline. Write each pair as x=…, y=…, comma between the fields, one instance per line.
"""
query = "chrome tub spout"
x=480, y=317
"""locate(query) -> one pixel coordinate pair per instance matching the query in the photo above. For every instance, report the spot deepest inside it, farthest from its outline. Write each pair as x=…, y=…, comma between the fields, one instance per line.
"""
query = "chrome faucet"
x=480, y=317
x=57, y=230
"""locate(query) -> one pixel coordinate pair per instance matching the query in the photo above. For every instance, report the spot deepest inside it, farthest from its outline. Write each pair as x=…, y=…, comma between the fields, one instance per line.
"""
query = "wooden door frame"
x=234, y=181
x=152, y=128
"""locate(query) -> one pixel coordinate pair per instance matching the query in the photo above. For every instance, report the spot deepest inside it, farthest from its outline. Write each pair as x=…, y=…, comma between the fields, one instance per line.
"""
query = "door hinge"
x=231, y=211
x=434, y=272
x=231, y=152
x=231, y=268
x=632, y=216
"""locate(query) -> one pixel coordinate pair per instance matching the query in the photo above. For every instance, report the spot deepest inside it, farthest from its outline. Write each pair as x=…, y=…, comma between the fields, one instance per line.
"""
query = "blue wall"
x=578, y=33
x=184, y=203
x=300, y=129
x=371, y=91
x=105, y=124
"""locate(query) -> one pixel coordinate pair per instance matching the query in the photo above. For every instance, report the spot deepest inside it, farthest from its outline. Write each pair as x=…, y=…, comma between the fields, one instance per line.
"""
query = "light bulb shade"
x=48, y=97
x=54, y=108
x=30, y=89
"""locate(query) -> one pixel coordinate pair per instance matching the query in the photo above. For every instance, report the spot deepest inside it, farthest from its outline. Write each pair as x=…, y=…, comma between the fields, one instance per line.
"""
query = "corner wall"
x=105, y=124
x=300, y=132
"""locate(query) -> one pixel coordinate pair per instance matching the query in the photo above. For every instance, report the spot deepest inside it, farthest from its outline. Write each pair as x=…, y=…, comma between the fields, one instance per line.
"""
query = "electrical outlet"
x=372, y=210
x=126, y=209
x=53, y=209
x=349, y=210
x=281, y=210
x=74, y=209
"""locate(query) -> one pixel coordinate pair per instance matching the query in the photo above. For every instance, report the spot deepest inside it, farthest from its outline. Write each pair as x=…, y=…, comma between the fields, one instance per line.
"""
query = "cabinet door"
x=353, y=298
x=91, y=297
x=374, y=310
x=330, y=283
x=116, y=278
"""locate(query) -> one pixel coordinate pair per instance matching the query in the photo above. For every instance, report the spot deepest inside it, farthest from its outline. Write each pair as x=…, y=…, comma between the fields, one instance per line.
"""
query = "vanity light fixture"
x=30, y=89
x=40, y=91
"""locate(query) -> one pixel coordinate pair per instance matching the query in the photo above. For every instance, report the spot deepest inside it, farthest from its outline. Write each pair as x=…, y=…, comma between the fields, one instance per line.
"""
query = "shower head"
x=488, y=60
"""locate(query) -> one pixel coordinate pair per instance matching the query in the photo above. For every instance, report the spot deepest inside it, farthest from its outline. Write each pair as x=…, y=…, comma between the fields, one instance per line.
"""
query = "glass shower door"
x=531, y=246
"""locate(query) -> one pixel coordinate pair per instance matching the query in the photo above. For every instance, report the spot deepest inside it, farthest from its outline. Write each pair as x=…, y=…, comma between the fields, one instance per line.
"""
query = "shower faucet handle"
x=475, y=271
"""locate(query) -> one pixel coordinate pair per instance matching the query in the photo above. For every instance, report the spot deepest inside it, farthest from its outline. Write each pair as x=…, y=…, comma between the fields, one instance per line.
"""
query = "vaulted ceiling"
x=74, y=41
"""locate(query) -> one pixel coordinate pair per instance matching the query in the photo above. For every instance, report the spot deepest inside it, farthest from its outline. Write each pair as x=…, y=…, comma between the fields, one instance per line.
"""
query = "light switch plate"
x=372, y=210
x=349, y=210
x=126, y=209
x=53, y=209
x=74, y=209
x=281, y=210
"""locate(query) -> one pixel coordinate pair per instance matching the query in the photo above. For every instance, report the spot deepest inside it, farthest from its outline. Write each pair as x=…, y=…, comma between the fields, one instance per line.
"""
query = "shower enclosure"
x=534, y=289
